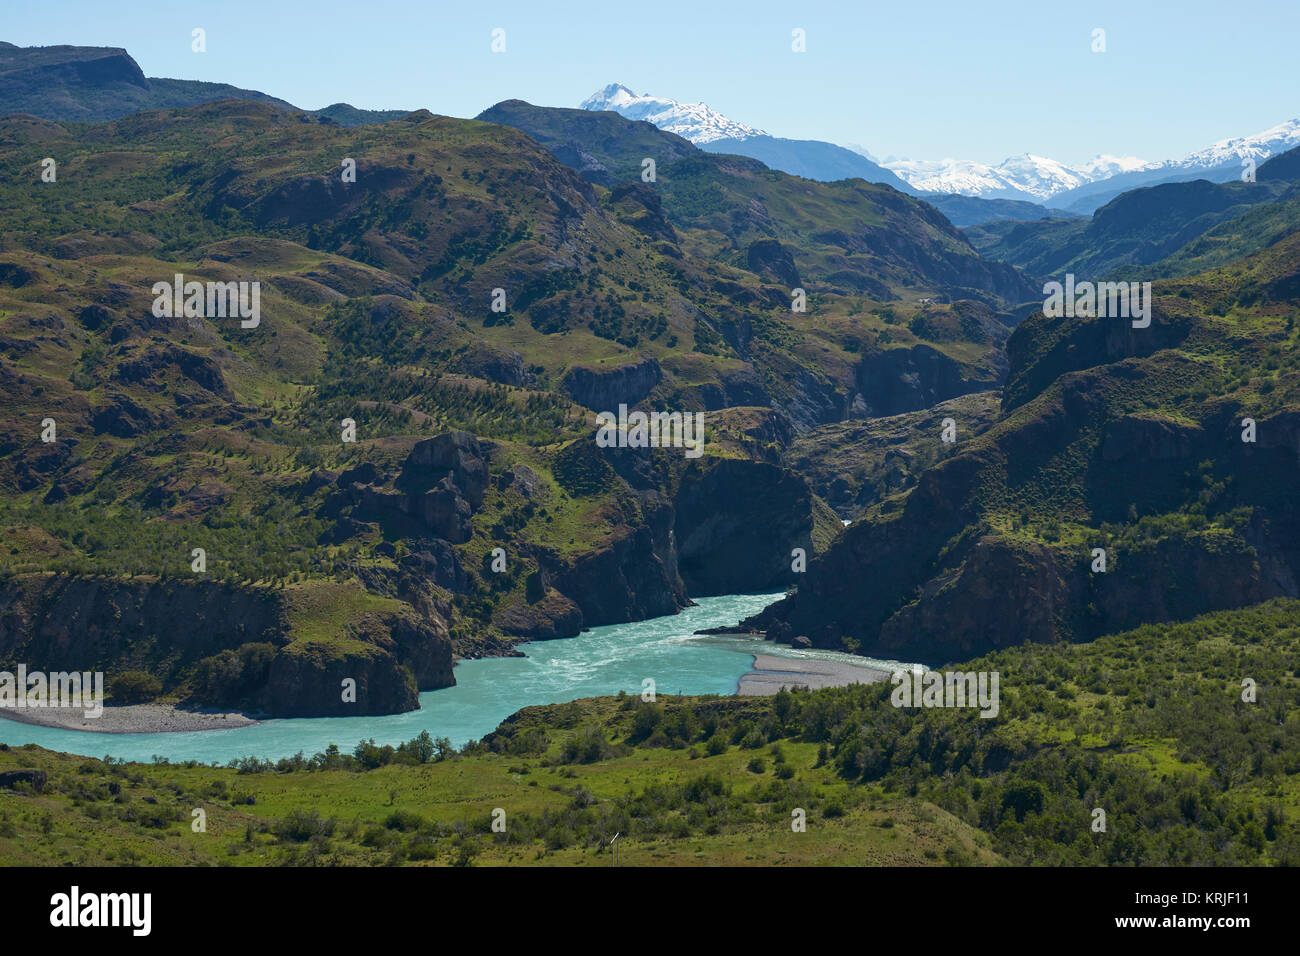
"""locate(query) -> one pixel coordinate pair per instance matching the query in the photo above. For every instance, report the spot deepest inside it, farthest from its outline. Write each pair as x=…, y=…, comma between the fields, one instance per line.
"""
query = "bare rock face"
x=307, y=684
x=441, y=485
x=736, y=525
x=66, y=622
x=605, y=391
x=909, y=379
x=1004, y=594
x=434, y=560
x=632, y=577
x=124, y=417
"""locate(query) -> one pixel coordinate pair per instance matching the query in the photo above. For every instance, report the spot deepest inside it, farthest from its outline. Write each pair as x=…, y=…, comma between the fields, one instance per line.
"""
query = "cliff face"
x=310, y=684
x=70, y=623
x=910, y=379
x=222, y=644
x=631, y=578
x=675, y=529
x=605, y=391
x=737, y=524
x=853, y=465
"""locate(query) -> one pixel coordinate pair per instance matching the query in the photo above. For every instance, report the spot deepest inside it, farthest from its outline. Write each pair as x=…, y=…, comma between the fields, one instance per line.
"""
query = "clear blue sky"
x=923, y=79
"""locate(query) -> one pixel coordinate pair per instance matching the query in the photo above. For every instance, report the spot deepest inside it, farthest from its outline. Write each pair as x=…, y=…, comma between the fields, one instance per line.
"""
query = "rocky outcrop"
x=552, y=616
x=150, y=369
x=857, y=463
x=910, y=379
x=633, y=576
x=809, y=400
x=639, y=206
x=456, y=455
x=1042, y=349
x=441, y=485
x=773, y=262
x=240, y=639
x=67, y=622
x=309, y=683
x=124, y=417
x=605, y=391
x=496, y=365
x=935, y=580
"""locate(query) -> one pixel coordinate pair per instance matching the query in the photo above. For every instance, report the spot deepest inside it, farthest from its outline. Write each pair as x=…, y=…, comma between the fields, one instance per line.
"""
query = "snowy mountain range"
x=1040, y=178
x=1026, y=177
x=1078, y=188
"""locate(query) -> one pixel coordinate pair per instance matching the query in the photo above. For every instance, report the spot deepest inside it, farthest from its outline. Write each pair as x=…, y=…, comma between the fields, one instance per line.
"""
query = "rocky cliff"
x=223, y=644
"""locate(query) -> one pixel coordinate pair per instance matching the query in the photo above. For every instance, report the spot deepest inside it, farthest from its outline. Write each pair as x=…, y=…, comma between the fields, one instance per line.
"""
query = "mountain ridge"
x=66, y=83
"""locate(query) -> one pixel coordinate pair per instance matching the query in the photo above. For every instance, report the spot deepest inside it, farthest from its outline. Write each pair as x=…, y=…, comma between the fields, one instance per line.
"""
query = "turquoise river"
x=599, y=662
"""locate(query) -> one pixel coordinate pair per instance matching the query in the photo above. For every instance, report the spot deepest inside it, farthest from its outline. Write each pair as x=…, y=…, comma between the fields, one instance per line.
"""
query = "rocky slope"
x=1110, y=440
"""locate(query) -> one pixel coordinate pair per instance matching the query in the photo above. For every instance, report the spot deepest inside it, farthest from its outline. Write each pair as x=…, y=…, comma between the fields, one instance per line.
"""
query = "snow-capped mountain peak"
x=692, y=121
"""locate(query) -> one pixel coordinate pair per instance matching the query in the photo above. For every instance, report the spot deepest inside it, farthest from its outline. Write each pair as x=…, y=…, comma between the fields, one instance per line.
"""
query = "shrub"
x=133, y=687
x=645, y=720
x=301, y=825
x=404, y=820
